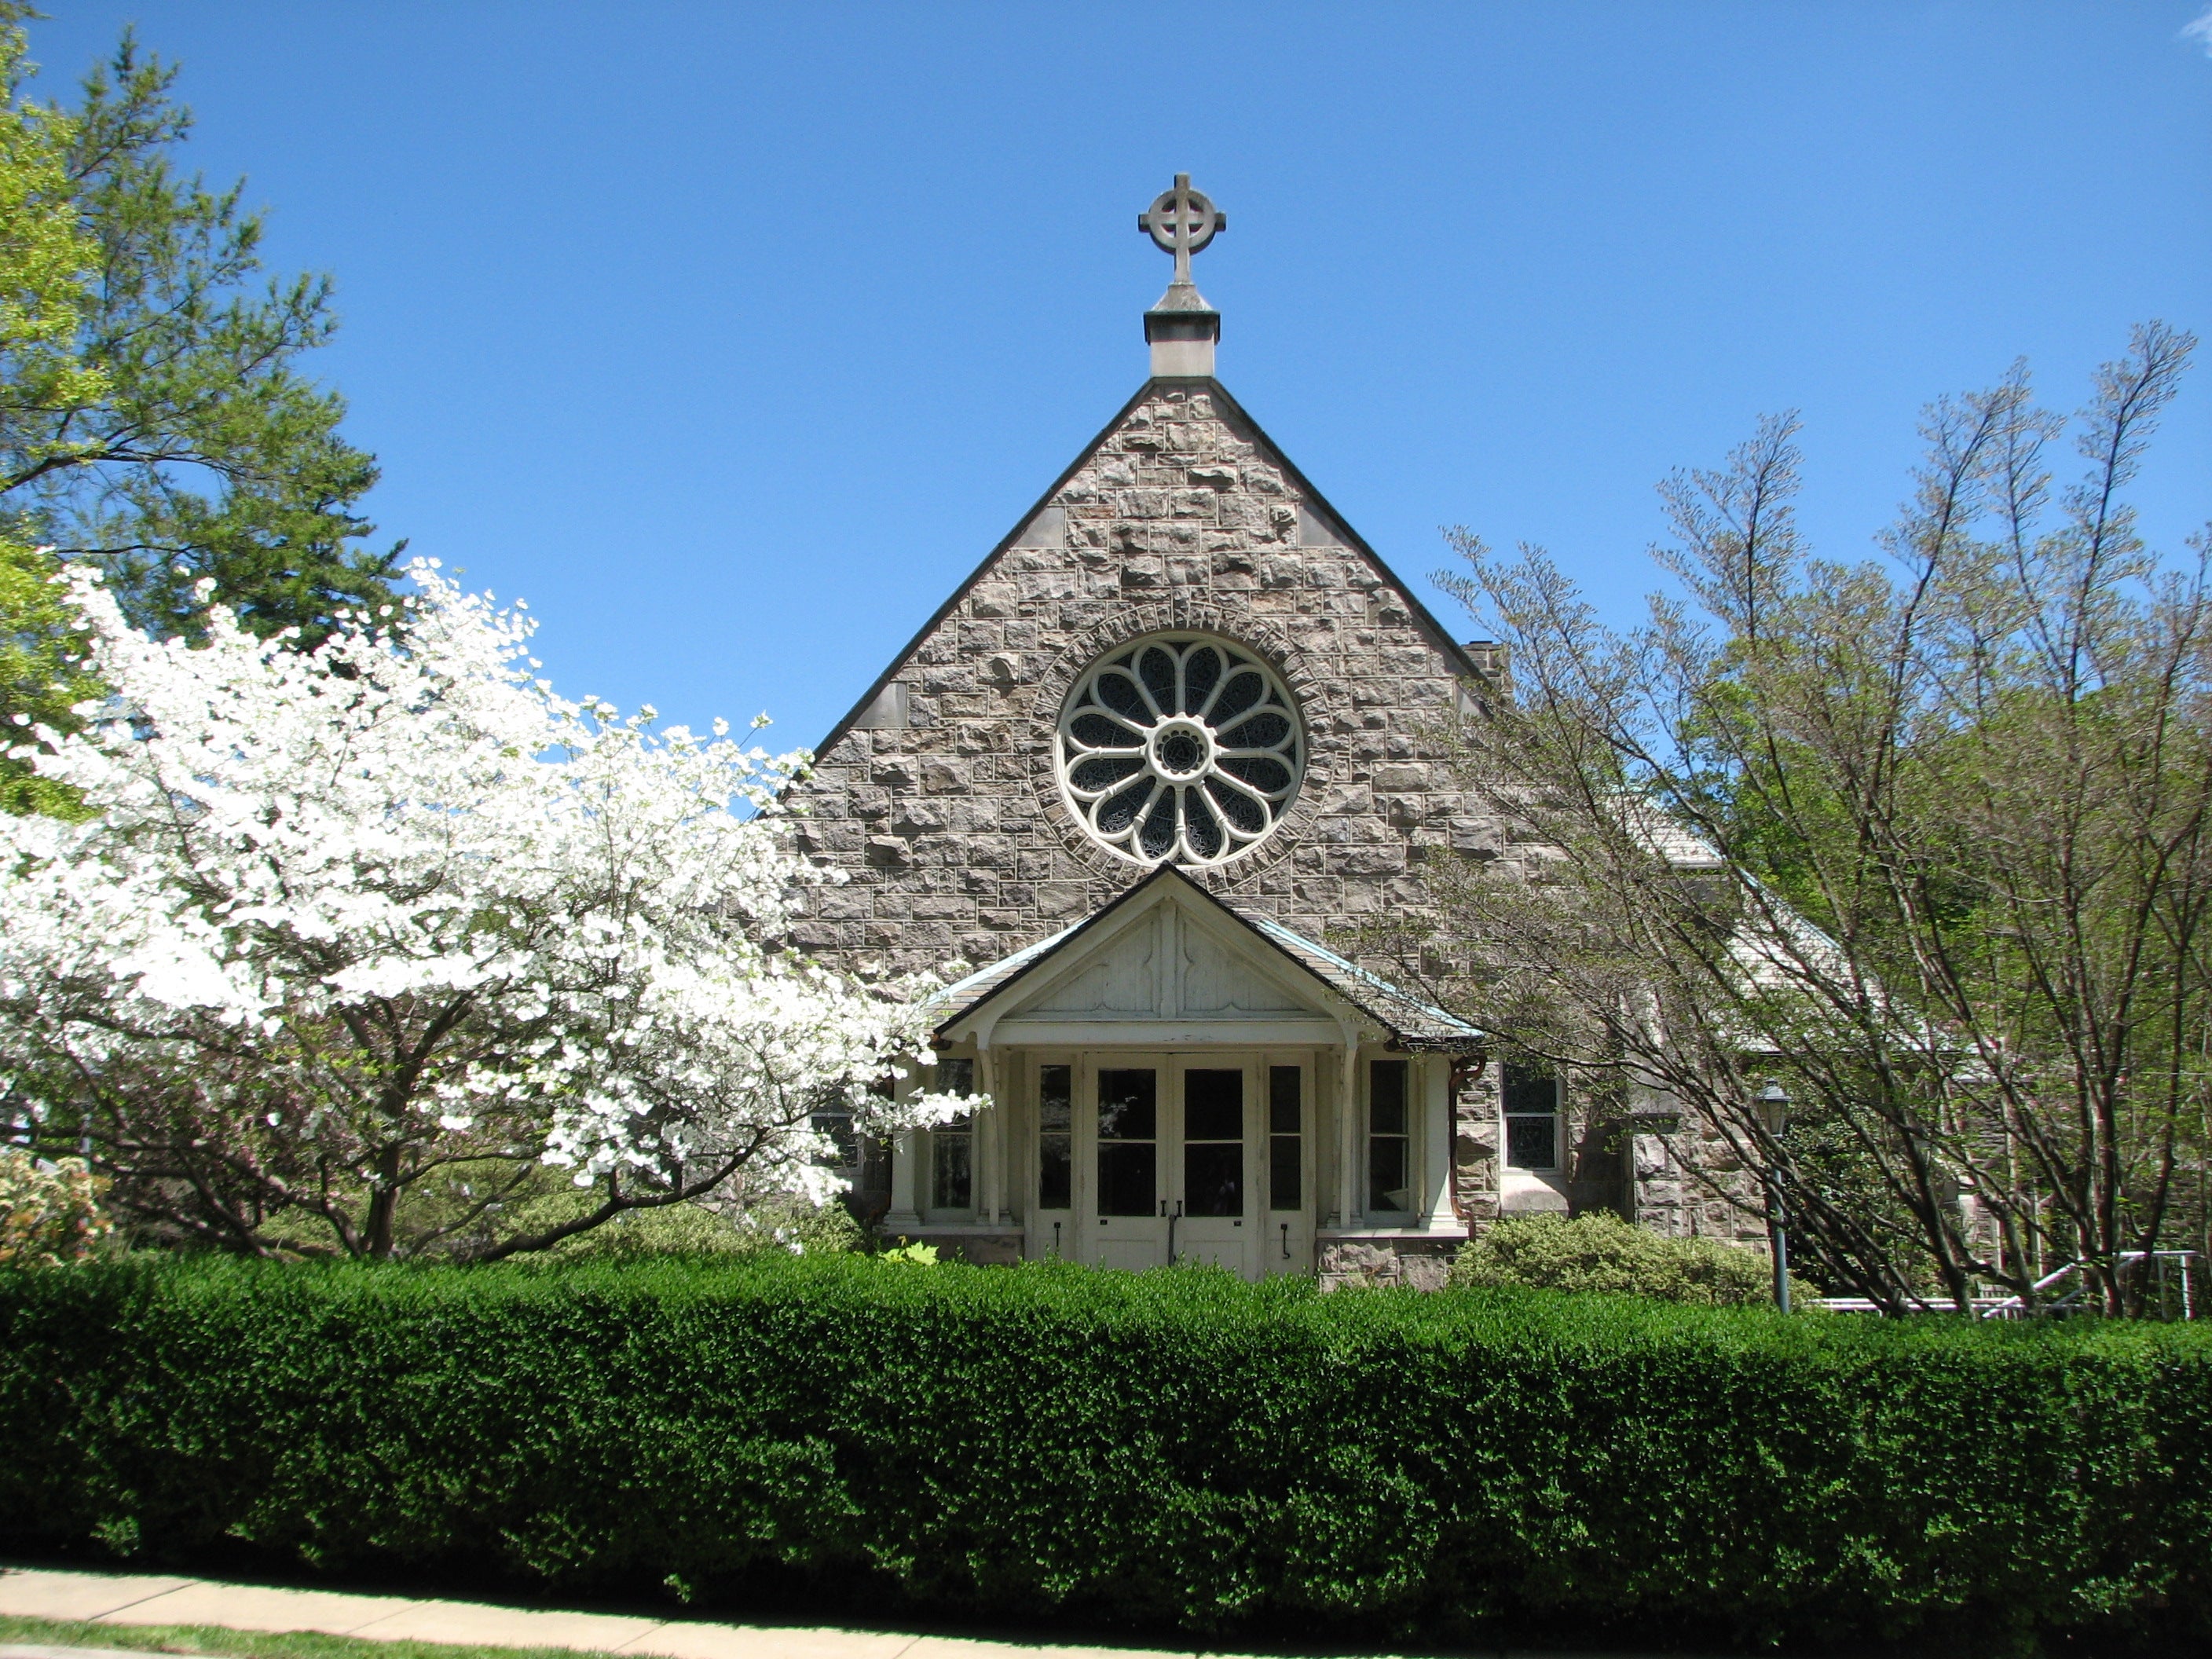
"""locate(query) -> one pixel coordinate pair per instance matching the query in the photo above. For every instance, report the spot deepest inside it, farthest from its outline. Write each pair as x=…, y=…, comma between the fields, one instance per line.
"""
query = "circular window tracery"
x=1179, y=746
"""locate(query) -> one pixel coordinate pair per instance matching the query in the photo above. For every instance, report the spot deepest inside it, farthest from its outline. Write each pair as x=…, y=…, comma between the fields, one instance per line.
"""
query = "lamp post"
x=1774, y=1111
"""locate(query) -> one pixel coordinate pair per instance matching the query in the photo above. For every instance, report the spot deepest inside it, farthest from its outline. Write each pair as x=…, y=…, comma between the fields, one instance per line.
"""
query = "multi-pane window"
x=1390, y=1140
x=1286, y=1163
x=1055, y=1137
x=1128, y=1141
x=953, y=1166
x=1532, y=1118
x=1214, y=1142
x=952, y=1145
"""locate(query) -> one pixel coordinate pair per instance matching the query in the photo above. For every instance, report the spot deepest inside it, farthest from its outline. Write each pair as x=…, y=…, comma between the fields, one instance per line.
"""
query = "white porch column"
x=905, y=1213
x=1435, y=1072
x=1347, y=1124
x=990, y=1138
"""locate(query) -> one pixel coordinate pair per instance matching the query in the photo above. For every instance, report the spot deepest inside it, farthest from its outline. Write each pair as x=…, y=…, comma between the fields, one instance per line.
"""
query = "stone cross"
x=1181, y=222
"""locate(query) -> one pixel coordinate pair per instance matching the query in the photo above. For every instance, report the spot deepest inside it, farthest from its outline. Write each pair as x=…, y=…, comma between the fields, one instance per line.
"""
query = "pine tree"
x=169, y=436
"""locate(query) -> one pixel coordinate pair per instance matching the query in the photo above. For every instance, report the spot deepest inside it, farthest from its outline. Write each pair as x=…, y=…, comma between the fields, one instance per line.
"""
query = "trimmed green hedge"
x=1170, y=1449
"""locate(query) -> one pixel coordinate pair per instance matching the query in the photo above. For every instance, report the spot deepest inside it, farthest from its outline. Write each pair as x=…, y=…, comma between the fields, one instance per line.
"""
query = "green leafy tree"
x=40, y=679
x=47, y=263
x=1926, y=840
x=156, y=420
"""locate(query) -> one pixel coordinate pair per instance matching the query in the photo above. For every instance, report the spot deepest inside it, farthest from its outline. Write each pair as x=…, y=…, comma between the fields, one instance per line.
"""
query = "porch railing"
x=2175, y=1291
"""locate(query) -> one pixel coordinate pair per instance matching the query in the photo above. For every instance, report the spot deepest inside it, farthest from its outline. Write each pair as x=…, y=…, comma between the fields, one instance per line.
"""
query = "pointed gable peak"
x=1181, y=477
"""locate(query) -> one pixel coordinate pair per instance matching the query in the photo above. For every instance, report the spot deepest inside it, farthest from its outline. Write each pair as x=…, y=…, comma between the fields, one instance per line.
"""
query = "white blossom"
x=396, y=893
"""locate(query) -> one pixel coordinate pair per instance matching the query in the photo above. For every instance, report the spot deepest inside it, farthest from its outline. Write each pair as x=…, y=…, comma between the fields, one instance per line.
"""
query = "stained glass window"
x=1180, y=747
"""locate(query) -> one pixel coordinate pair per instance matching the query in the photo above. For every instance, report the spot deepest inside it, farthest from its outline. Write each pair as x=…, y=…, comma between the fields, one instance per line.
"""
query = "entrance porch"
x=1173, y=1081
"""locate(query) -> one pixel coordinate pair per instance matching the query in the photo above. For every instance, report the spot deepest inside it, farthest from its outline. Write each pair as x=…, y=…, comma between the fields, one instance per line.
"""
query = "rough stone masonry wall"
x=951, y=828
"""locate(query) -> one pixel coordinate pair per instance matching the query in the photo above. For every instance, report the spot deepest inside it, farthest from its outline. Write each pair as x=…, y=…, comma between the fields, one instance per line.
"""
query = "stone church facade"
x=1176, y=731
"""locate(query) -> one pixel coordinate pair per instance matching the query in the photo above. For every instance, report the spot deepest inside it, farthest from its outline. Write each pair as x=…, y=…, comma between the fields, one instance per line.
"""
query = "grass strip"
x=214, y=1639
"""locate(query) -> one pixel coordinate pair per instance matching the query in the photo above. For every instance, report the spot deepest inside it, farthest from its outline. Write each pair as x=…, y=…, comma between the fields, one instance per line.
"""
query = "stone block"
x=915, y=817
x=1386, y=861
x=1061, y=898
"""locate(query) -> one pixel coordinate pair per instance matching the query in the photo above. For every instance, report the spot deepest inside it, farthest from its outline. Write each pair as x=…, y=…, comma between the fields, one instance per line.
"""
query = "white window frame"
x=1411, y=1134
x=1556, y=1168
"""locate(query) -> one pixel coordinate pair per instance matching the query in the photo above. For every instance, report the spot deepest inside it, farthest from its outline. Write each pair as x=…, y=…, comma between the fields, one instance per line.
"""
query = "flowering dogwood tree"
x=358, y=941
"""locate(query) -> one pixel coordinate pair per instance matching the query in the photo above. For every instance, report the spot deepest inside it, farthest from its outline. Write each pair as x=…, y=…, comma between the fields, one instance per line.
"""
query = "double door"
x=1154, y=1158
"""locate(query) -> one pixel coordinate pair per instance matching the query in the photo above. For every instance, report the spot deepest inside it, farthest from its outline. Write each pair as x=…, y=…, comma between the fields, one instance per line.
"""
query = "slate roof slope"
x=1411, y=1023
x=977, y=988
x=1414, y=1023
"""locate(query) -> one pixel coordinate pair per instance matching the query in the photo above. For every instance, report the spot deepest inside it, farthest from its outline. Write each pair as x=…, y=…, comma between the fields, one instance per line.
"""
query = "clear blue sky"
x=733, y=336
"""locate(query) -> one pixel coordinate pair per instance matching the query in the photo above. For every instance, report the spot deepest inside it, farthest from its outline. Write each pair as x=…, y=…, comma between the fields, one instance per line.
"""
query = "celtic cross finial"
x=1181, y=222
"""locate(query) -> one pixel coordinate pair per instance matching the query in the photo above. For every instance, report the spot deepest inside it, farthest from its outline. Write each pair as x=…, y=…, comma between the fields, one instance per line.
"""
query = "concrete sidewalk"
x=139, y=1598
x=128, y=1598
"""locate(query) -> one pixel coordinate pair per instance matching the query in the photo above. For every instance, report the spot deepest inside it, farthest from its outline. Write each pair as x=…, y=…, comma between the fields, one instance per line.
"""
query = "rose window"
x=1179, y=747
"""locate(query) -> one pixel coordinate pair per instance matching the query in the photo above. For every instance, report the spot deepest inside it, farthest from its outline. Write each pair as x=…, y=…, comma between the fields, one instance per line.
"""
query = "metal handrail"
x=2013, y=1307
x=2191, y=1263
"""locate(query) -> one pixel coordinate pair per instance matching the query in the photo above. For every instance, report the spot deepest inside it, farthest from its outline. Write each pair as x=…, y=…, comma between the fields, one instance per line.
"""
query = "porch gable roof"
x=1411, y=1023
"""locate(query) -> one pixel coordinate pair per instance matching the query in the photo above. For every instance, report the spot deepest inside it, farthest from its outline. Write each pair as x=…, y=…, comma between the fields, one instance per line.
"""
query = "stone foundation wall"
x=1421, y=1263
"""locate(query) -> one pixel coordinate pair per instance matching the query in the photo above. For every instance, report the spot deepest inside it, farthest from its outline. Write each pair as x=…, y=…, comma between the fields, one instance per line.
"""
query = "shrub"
x=50, y=1212
x=1601, y=1252
x=1175, y=1449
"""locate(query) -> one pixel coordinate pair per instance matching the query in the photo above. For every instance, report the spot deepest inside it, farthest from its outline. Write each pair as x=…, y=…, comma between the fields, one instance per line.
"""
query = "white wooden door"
x=1127, y=1226
x=1211, y=1169
x=1135, y=1159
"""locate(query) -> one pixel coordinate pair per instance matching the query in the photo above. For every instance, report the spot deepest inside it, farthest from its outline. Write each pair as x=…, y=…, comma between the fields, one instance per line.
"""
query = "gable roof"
x=1452, y=651
x=1410, y=1022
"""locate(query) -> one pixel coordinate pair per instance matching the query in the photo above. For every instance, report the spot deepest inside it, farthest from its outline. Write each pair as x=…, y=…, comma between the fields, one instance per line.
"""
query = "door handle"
x=1286, y=1239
